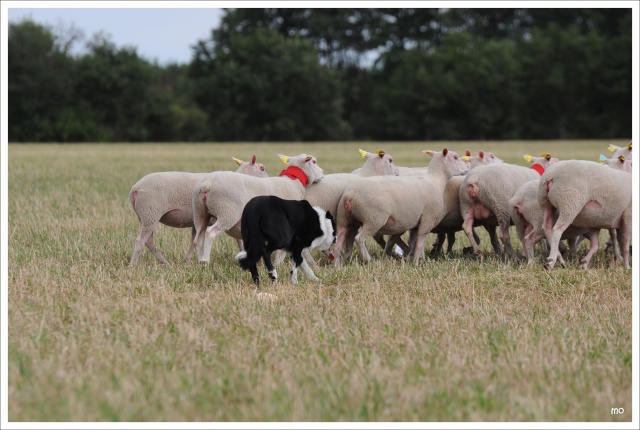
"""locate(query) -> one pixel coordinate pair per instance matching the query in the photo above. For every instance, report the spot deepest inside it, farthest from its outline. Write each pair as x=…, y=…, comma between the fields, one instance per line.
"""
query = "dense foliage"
x=337, y=74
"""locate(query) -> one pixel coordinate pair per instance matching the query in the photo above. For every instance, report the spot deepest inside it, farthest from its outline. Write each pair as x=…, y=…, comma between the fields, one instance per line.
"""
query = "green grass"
x=453, y=339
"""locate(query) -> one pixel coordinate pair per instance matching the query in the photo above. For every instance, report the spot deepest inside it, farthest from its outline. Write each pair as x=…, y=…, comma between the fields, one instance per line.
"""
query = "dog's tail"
x=253, y=241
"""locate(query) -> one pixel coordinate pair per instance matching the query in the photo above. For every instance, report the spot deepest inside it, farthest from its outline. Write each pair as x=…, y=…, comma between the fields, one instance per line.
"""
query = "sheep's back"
x=576, y=182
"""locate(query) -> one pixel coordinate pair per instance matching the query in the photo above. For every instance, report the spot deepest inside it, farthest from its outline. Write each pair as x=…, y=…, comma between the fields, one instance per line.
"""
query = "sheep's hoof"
x=273, y=275
x=584, y=265
x=203, y=262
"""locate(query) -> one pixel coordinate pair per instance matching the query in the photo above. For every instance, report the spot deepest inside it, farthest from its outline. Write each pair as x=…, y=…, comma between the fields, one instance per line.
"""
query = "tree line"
x=335, y=74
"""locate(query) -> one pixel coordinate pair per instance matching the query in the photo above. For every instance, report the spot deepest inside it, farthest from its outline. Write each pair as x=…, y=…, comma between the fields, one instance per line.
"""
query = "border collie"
x=269, y=223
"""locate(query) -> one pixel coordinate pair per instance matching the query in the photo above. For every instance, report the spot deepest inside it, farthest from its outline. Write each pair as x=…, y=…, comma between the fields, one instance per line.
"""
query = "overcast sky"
x=165, y=35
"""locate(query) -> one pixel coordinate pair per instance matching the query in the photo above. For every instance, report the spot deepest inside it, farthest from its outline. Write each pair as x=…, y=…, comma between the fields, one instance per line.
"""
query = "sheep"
x=585, y=194
x=526, y=214
x=394, y=205
x=620, y=163
x=485, y=193
x=165, y=197
x=452, y=221
x=223, y=195
x=328, y=192
x=621, y=150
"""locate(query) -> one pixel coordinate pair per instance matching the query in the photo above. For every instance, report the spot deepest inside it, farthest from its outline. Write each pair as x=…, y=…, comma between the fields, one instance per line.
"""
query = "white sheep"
x=585, y=194
x=625, y=151
x=452, y=221
x=165, y=197
x=396, y=204
x=620, y=163
x=485, y=193
x=328, y=192
x=223, y=195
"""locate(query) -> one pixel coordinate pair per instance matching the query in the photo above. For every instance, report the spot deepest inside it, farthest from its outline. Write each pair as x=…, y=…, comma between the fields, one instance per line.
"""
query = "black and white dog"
x=269, y=223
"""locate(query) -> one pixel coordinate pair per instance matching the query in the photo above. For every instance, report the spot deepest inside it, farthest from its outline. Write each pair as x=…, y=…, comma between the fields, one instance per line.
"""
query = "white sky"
x=165, y=35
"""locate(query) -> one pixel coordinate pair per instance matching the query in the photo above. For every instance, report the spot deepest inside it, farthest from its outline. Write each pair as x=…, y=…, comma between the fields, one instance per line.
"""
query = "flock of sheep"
x=551, y=199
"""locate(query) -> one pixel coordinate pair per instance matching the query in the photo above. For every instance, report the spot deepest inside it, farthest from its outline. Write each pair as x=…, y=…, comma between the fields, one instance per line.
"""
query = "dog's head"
x=328, y=238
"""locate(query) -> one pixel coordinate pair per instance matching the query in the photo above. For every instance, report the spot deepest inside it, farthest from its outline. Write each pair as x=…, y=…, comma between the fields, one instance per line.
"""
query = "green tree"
x=40, y=83
x=263, y=86
x=114, y=84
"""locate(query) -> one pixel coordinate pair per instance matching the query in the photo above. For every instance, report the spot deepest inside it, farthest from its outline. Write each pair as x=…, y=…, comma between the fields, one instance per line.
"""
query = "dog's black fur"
x=269, y=223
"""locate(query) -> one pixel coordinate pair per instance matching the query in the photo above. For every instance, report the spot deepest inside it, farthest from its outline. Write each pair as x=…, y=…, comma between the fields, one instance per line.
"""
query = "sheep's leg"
x=360, y=240
x=624, y=237
x=341, y=237
x=141, y=240
x=594, y=240
x=506, y=239
x=200, y=224
x=522, y=229
x=280, y=255
x=613, y=233
x=493, y=238
x=154, y=250
x=554, y=231
x=306, y=254
x=193, y=245
x=419, y=247
x=467, y=226
x=212, y=232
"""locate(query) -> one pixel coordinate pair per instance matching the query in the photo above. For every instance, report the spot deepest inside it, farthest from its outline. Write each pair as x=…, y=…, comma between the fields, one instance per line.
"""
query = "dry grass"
x=450, y=340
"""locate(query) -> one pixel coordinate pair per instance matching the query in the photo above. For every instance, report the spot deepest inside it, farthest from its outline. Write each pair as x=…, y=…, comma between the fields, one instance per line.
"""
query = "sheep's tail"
x=253, y=243
x=133, y=195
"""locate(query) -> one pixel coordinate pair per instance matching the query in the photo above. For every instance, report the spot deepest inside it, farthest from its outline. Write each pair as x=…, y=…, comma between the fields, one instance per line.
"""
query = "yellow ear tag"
x=612, y=148
x=465, y=158
x=284, y=158
x=428, y=152
x=362, y=153
x=621, y=158
x=237, y=160
x=527, y=158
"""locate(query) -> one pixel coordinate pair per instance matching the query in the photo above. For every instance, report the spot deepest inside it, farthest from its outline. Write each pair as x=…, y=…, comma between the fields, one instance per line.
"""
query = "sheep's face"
x=485, y=158
x=449, y=160
x=620, y=163
x=309, y=165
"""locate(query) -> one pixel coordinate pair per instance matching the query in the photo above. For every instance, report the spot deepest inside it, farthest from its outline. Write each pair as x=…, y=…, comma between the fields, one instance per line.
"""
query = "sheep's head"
x=449, y=160
x=618, y=163
x=378, y=163
x=307, y=163
x=251, y=168
x=484, y=158
x=545, y=160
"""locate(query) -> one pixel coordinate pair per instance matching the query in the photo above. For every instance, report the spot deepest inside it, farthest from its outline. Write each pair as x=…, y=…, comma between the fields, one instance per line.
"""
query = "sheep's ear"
x=612, y=148
x=284, y=158
x=527, y=158
x=309, y=157
x=467, y=153
x=428, y=152
x=253, y=159
x=362, y=153
x=481, y=154
x=603, y=159
x=546, y=156
x=445, y=151
x=237, y=160
x=629, y=146
x=621, y=158
x=380, y=153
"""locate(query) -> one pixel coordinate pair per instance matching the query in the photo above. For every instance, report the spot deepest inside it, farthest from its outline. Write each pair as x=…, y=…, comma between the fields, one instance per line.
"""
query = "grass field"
x=452, y=339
